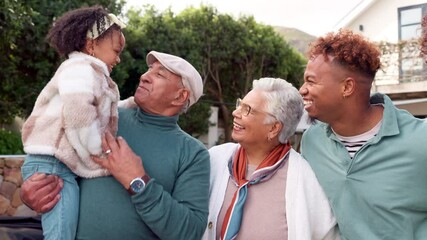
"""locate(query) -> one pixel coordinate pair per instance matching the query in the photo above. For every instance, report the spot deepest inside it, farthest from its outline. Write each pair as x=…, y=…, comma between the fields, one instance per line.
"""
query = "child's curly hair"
x=68, y=32
x=349, y=50
x=423, y=38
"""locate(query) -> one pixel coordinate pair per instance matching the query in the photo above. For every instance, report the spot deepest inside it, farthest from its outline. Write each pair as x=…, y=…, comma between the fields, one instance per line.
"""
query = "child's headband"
x=99, y=27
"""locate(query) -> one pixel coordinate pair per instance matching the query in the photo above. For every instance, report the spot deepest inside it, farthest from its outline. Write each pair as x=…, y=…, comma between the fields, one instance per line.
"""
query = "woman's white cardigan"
x=308, y=212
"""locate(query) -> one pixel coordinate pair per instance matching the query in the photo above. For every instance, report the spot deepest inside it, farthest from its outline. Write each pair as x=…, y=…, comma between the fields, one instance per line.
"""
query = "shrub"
x=10, y=142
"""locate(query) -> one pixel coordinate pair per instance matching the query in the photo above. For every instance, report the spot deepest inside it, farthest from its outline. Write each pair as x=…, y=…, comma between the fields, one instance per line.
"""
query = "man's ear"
x=349, y=86
x=182, y=97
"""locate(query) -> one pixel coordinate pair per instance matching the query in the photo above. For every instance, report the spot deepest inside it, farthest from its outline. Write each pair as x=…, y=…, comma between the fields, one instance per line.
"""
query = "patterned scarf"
x=237, y=168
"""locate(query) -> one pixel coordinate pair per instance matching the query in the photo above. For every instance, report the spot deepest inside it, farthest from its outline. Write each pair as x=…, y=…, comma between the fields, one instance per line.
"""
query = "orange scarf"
x=264, y=171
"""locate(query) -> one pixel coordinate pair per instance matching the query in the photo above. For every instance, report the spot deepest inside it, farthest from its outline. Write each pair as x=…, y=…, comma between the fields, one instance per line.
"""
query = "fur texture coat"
x=72, y=112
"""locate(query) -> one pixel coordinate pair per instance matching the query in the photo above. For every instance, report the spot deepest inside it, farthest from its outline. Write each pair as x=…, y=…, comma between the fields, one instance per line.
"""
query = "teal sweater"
x=382, y=192
x=174, y=204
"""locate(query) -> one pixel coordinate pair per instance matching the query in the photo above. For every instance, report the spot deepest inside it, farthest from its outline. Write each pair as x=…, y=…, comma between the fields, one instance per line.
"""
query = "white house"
x=396, y=26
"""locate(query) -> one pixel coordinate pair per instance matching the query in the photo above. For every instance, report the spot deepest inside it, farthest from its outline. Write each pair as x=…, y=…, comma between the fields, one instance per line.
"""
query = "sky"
x=315, y=17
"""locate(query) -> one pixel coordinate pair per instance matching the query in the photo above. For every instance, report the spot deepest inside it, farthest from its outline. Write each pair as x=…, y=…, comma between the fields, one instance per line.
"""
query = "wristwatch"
x=137, y=185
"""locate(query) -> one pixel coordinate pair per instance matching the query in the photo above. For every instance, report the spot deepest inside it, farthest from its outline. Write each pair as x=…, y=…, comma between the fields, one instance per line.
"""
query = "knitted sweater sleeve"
x=77, y=88
x=183, y=212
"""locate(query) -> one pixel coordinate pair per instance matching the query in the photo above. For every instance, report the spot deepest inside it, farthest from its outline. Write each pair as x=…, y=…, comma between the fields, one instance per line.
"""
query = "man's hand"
x=120, y=160
x=40, y=192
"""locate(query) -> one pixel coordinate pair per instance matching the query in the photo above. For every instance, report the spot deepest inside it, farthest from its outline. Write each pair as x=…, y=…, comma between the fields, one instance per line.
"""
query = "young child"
x=74, y=109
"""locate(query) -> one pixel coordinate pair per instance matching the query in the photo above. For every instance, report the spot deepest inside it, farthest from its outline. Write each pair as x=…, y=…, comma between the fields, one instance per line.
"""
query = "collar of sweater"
x=163, y=121
x=79, y=55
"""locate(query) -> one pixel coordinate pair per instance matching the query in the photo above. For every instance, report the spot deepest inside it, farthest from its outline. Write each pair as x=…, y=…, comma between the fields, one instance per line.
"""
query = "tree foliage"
x=14, y=18
x=27, y=61
x=229, y=53
x=10, y=142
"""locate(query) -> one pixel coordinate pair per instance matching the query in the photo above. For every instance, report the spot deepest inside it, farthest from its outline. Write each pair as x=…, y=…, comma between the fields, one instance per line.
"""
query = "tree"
x=235, y=52
x=150, y=30
x=14, y=17
x=27, y=61
x=228, y=53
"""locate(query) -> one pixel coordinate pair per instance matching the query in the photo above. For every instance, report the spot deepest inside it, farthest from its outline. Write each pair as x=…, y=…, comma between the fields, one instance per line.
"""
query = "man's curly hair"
x=68, y=32
x=349, y=50
x=423, y=38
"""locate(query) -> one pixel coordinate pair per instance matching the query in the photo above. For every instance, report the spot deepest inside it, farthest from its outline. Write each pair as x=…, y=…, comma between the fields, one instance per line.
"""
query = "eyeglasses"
x=246, y=109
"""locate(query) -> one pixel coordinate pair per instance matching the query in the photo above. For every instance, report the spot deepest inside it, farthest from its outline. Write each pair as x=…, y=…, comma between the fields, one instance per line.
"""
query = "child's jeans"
x=61, y=221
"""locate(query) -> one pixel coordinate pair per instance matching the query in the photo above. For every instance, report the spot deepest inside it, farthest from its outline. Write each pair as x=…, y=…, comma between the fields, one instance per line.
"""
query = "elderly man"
x=160, y=175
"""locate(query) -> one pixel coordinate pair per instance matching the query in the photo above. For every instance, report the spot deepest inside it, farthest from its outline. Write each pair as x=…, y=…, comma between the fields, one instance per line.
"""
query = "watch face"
x=137, y=185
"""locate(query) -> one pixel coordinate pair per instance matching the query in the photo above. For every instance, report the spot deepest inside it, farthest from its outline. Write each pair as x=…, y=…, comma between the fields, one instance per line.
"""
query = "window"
x=410, y=21
x=412, y=67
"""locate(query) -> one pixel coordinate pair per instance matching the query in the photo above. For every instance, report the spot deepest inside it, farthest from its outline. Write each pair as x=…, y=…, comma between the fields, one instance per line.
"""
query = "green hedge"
x=10, y=143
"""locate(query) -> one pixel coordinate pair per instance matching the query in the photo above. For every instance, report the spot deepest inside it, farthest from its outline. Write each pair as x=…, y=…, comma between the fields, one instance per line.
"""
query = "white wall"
x=380, y=20
x=212, y=137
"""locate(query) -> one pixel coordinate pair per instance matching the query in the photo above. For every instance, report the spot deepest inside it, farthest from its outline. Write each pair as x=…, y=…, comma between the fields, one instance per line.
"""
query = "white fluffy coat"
x=72, y=112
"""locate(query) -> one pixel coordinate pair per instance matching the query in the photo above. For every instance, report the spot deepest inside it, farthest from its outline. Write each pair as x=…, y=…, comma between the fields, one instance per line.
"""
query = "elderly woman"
x=260, y=187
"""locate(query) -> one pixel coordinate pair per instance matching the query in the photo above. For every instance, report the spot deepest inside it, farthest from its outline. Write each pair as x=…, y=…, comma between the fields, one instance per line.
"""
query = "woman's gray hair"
x=283, y=101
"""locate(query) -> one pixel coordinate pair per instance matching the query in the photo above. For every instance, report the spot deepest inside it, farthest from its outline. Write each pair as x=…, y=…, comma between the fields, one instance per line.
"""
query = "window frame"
x=423, y=7
x=403, y=73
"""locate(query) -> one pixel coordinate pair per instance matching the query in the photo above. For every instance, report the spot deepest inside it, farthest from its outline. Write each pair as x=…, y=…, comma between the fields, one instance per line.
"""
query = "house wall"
x=409, y=87
x=380, y=20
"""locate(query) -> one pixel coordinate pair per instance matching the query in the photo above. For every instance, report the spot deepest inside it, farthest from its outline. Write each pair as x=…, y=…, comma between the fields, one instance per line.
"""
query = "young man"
x=160, y=175
x=368, y=155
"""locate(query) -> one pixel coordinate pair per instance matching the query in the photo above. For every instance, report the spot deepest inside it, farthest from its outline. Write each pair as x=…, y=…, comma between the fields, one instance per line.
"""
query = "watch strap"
x=144, y=178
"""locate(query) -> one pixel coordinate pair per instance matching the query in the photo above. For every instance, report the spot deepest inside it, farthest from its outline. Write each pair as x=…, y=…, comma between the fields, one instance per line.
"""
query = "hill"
x=296, y=38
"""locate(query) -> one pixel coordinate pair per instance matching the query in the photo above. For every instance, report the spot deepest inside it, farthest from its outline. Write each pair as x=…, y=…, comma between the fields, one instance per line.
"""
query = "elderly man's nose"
x=144, y=77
